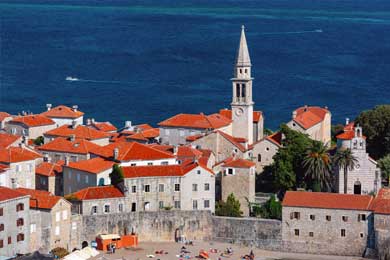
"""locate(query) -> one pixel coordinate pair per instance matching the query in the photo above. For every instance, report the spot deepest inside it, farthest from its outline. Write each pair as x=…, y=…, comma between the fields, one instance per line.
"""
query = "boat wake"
x=69, y=78
x=294, y=32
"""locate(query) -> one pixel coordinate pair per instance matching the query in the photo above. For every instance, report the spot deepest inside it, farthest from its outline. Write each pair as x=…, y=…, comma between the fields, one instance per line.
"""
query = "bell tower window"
x=243, y=90
x=237, y=90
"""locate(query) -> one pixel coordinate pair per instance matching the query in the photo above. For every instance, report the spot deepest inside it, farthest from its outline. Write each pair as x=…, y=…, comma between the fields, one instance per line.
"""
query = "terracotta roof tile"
x=79, y=146
x=228, y=114
x=199, y=121
x=7, y=194
x=6, y=139
x=349, y=132
x=17, y=154
x=381, y=203
x=308, y=117
x=187, y=151
x=3, y=168
x=80, y=132
x=32, y=120
x=40, y=199
x=275, y=138
x=239, y=163
x=95, y=165
x=326, y=200
x=97, y=193
x=145, y=135
x=232, y=140
x=62, y=112
x=3, y=115
x=104, y=126
x=192, y=138
x=143, y=127
x=49, y=169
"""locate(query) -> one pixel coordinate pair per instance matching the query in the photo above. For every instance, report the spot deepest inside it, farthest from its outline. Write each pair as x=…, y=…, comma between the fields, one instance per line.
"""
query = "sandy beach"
x=172, y=250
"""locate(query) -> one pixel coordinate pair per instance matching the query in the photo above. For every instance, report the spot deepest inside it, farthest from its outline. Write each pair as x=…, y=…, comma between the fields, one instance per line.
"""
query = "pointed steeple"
x=243, y=59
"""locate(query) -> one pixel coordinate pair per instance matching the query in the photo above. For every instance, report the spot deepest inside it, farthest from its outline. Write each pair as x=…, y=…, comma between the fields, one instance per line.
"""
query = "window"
x=206, y=204
x=164, y=163
x=147, y=188
x=150, y=163
x=362, y=217
x=194, y=204
x=311, y=234
x=361, y=235
x=101, y=182
x=237, y=90
x=18, y=168
x=133, y=207
x=57, y=230
x=312, y=217
x=295, y=215
x=133, y=164
x=267, y=149
x=161, y=204
x=86, y=179
x=1, y=212
x=177, y=187
x=296, y=232
x=19, y=222
x=58, y=216
x=328, y=218
x=73, y=158
x=78, y=177
x=181, y=132
x=1, y=243
x=1, y=227
x=9, y=240
x=13, y=131
x=194, y=187
x=30, y=167
x=161, y=188
x=133, y=189
x=198, y=171
x=33, y=228
x=120, y=207
x=259, y=157
x=20, y=207
x=230, y=171
x=25, y=132
x=106, y=208
x=94, y=210
x=20, y=237
x=206, y=186
x=344, y=218
x=243, y=92
x=177, y=204
x=64, y=215
x=343, y=232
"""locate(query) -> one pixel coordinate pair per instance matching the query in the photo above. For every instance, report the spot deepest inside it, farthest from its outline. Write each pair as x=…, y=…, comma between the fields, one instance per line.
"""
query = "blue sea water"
x=145, y=61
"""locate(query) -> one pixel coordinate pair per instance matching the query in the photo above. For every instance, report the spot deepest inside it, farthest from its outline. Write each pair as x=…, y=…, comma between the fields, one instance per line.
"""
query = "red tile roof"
x=164, y=148
x=97, y=193
x=95, y=165
x=7, y=194
x=3, y=168
x=132, y=151
x=228, y=114
x=349, y=132
x=80, y=132
x=49, y=169
x=192, y=138
x=275, y=138
x=32, y=120
x=308, y=117
x=3, y=115
x=145, y=135
x=326, y=200
x=143, y=127
x=239, y=163
x=79, y=146
x=17, y=154
x=233, y=140
x=381, y=203
x=40, y=199
x=104, y=126
x=199, y=121
x=187, y=151
x=6, y=139
x=62, y=112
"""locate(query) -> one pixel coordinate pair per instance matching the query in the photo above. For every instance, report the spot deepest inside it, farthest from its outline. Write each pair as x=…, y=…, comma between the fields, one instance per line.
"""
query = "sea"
x=145, y=61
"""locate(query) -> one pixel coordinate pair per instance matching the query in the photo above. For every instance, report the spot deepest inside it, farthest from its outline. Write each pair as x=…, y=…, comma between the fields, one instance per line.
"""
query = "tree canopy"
x=230, y=208
x=116, y=175
x=376, y=127
x=384, y=165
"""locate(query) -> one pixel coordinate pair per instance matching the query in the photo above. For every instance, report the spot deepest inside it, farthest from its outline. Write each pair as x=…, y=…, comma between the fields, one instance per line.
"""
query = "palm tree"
x=345, y=159
x=317, y=164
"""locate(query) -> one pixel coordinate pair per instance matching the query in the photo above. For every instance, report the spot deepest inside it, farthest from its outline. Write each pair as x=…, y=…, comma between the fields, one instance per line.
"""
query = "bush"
x=230, y=208
x=39, y=141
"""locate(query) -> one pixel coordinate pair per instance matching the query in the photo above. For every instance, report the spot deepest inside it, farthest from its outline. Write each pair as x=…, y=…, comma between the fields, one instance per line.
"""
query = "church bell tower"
x=242, y=103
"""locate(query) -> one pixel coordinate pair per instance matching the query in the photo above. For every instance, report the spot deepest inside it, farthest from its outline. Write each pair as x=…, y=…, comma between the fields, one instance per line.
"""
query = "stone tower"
x=242, y=104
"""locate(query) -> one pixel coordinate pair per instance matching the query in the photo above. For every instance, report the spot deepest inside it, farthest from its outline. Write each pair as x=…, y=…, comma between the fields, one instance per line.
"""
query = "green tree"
x=230, y=208
x=116, y=175
x=317, y=165
x=344, y=159
x=267, y=132
x=376, y=127
x=272, y=209
x=384, y=165
x=39, y=141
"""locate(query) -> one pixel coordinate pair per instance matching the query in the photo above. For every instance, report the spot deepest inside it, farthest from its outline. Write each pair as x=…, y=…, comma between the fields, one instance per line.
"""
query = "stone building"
x=314, y=221
x=263, y=151
x=365, y=177
x=87, y=173
x=78, y=132
x=21, y=167
x=63, y=115
x=50, y=220
x=48, y=177
x=14, y=223
x=73, y=150
x=176, y=129
x=313, y=121
x=238, y=177
x=180, y=187
x=30, y=126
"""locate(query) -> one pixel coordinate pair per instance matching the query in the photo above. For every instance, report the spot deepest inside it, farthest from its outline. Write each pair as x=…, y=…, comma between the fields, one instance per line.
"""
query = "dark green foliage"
x=267, y=132
x=230, y=208
x=376, y=127
x=384, y=165
x=116, y=175
x=336, y=130
x=39, y=140
x=271, y=209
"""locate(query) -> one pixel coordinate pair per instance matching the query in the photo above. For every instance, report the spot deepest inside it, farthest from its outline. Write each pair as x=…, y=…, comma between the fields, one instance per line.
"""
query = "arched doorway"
x=84, y=244
x=357, y=188
x=146, y=206
x=101, y=182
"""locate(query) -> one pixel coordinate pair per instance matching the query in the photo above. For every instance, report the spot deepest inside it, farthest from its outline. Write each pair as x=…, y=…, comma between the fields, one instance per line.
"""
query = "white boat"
x=71, y=79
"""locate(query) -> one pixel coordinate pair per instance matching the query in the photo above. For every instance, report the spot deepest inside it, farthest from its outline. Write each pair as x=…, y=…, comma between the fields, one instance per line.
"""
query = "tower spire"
x=243, y=59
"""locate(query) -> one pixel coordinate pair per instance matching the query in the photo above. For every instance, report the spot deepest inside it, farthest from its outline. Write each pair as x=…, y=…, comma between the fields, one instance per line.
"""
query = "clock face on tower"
x=239, y=112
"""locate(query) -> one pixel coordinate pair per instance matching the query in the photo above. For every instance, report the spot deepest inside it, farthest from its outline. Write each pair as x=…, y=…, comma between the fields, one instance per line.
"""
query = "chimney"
x=66, y=160
x=46, y=158
x=305, y=108
x=116, y=153
x=175, y=149
x=128, y=125
x=246, y=145
x=88, y=121
x=347, y=121
x=74, y=124
x=13, y=183
x=48, y=106
x=74, y=108
x=72, y=138
x=294, y=114
x=326, y=107
x=93, y=120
